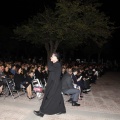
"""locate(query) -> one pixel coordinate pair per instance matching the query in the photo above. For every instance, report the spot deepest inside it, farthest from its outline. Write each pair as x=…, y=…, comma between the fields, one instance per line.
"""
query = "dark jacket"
x=74, y=79
x=67, y=82
x=18, y=79
x=53, y=100
x=39, y=75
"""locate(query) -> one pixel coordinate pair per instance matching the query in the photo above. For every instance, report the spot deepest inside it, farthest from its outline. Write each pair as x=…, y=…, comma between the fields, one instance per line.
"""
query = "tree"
x=70, y=23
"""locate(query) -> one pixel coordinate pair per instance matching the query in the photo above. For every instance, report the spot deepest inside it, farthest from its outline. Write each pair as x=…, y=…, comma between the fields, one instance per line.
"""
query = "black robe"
x=53, y=100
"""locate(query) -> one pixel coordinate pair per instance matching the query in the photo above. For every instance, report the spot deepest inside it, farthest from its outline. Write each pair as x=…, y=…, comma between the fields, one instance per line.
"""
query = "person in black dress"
x=20, y=80
x=53, y=102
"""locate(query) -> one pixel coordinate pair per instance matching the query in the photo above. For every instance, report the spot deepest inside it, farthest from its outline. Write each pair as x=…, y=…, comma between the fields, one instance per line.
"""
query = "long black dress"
x=53, y=100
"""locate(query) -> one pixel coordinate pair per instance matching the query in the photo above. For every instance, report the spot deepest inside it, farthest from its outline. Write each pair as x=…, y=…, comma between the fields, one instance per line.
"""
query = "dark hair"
x=74, y=69
x=17, y=68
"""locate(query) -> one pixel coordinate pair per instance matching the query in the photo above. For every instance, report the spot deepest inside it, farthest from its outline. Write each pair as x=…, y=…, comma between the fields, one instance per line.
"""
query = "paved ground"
x=102, y=103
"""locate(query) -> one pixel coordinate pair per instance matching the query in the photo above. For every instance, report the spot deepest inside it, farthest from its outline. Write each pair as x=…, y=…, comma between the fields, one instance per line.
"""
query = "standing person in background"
x=53, y=102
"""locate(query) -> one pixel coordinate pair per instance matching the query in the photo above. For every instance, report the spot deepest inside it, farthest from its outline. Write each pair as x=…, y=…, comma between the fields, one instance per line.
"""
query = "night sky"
x=14, y=12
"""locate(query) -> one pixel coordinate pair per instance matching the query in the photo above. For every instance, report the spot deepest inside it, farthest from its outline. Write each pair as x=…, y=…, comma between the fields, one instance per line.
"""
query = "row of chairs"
x=9, y=88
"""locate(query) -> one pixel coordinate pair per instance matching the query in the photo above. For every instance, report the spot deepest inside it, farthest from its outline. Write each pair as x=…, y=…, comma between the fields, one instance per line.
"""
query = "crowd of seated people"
x=83, y=75
x=22, y=75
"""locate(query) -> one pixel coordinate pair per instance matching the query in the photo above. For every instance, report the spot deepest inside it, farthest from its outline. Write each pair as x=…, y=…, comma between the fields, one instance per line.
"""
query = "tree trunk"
x=51, y=47
x=99, y=56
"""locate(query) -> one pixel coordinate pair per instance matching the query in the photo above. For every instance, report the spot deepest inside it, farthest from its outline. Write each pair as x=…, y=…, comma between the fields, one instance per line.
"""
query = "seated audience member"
x=81, y=81
x=20, y=80
x=94, y=76
x=30, y=77
x=39, y=74
x=8, y=77
x=1, y=87
x=24, y=69
x=77, y=81
x=63, y=71
x=45, y=73
x=13, y=69
x=74, y=77
x=68, y=88
x=8, y=73
x=2, y=76
x=86, y=79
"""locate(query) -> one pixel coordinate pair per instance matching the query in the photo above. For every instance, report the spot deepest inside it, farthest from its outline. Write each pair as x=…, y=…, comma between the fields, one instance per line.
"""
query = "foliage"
x=71, y=23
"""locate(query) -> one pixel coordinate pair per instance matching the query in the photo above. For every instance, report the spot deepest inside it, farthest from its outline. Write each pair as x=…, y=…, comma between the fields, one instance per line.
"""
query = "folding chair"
x=37, y=87
x=9, y=88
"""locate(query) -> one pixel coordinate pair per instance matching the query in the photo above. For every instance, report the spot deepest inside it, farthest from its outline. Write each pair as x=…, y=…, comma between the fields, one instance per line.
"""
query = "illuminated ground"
x=102, y=103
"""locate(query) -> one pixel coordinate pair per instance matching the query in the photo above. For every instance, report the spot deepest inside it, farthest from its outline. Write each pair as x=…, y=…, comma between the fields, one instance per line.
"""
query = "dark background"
x=13, y=13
